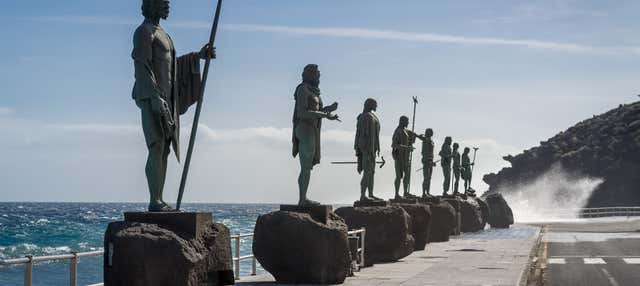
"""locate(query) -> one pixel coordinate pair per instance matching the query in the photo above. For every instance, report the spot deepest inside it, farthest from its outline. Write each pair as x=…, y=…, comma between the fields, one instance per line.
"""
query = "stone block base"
x=357, y=204
x=319, y=213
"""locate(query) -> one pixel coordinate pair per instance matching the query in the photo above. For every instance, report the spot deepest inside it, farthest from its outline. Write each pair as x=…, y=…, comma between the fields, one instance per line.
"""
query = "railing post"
x=73, y=270
x=254, y=271
x=237, y=274
x=364, y=231
x=28, y=269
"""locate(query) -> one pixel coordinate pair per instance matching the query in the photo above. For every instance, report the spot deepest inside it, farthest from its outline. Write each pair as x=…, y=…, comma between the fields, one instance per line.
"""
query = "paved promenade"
x=490, y=257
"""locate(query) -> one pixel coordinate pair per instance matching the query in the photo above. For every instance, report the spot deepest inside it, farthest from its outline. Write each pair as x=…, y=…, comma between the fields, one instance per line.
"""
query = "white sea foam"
x=56, y=249
x=555, y=195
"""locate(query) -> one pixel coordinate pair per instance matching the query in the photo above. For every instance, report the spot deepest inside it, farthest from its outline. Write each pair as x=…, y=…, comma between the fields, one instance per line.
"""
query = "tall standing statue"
x=367, y=146
x=456, y=168
x=402, y=145
x=466, y=168
x=307, y=121
x=445, y=163
x=427, y=161
x=165, y=86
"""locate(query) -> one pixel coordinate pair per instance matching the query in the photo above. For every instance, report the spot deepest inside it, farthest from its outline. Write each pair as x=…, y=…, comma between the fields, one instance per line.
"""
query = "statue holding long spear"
x=165, y=87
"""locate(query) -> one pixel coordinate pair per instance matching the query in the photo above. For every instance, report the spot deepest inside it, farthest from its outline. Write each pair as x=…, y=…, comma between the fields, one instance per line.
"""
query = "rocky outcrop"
x=500, y=214
x=139, y=254
x=388, y=237
x=297, y=249
x=606, y=146
x=471, y=215
x=443, y=221
x=420, y=219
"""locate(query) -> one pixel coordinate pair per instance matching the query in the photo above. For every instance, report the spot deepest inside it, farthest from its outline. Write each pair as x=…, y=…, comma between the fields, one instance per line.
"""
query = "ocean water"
x=57, y=228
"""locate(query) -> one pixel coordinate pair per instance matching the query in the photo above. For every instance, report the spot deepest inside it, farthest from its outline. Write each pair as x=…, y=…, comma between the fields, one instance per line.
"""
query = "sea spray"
x=555, y=195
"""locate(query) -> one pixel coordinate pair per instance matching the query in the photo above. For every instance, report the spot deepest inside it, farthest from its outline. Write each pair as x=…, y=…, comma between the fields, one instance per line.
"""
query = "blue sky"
x=501, y=75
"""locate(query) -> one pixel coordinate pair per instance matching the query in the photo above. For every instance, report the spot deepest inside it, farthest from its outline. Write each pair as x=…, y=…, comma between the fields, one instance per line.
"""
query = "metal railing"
x=29, y=260
x=237, y=258
x=359, y=234
x=592, y=212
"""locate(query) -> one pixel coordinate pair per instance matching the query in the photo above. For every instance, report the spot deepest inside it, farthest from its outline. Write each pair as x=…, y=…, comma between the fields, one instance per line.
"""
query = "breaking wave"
x=555, y=195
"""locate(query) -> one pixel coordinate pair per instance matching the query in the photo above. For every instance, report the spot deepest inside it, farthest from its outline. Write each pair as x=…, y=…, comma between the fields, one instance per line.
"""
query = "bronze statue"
x=456, y=168
x=427, y=161
x=466, y=169
x=165, y=86
x=402, y=145
x=307, y=121
x=445, y=163
x=367, y=146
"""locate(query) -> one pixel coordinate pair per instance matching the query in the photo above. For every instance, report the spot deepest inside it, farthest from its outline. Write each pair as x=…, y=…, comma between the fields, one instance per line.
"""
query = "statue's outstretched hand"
x=333, y=117
x=207, y=52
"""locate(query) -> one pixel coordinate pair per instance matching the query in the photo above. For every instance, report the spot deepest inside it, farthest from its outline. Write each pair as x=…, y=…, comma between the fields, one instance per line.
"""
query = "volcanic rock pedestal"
x=500, y=214
x=455, y=202
x=388, y=231
x=484, y=209
x=298, y=248
x=420, y=219
x=443, y=221
x=167, y=249
x=471, y=215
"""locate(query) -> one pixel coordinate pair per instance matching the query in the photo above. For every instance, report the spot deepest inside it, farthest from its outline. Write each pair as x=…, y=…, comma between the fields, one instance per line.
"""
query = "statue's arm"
x=142, y=55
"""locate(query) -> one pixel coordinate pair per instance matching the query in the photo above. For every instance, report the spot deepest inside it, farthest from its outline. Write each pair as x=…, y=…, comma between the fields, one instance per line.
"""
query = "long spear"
x=473, y=164
x=413, y=129
x=196, y=118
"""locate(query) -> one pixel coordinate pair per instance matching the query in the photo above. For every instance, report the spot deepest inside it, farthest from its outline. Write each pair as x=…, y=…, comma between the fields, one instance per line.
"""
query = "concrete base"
x=357, y=204
x=403, y=201
x=319, y=213
x=431, y=200
x=189, y=224
x=166, y=249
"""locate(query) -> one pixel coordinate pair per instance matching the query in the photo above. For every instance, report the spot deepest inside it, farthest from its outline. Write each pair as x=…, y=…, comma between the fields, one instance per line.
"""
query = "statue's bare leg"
x=155, y=172
x=163, y=171
x=406, y=181
x=371, y=179
x=398, y=179
x=305, y=177
x=363, y=186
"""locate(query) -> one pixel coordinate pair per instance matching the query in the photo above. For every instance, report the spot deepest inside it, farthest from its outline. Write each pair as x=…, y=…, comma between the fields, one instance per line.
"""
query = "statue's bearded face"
x=311, y=74
x=404, y=121
x=155, y=9
x=370, y=104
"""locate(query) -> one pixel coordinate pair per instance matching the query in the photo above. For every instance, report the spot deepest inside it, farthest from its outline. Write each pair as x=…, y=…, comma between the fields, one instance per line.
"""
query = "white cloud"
x=430, y=37
x=5, y=111
x=362, y=33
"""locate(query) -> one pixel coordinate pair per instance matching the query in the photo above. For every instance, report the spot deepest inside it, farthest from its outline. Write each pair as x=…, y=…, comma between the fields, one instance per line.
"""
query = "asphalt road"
x=593, y=252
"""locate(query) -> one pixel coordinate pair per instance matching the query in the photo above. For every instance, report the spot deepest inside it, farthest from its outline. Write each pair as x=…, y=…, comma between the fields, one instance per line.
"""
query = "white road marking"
x=593, y=261
x=556, y=261
x=612, y=280
x=631, y=260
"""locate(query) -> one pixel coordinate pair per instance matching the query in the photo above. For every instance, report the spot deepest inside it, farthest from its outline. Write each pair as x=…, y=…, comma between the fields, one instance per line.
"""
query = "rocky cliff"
x=606, y=146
